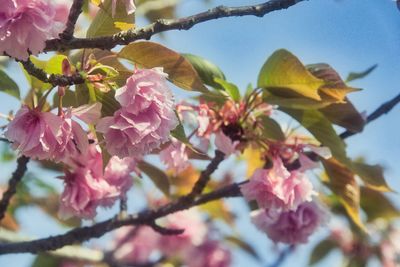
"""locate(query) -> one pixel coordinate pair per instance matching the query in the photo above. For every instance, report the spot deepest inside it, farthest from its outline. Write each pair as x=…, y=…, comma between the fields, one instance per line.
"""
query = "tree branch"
x=12, y=184
x=75, y=11
x=381, y=110
x=205, y=175
x=53, y=79
x=165, y=231
x=163, y=25
x=81, y=254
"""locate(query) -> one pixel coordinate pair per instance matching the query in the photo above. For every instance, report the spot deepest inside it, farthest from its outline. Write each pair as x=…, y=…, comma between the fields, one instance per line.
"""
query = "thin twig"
x=75, y=11
x=205, y=175
x=5, y=140
x=381, y=110
x=163, y=25
x=166, y=231
x=12, y=184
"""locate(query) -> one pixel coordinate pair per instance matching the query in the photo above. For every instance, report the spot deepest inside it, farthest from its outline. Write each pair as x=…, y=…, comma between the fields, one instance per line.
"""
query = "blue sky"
x=350, y=35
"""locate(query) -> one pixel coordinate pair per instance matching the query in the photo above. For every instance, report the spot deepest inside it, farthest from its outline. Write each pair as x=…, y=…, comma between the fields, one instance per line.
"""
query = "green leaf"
x=34, y=82
x=179, y=69
x=294, y=102
x=372, y=176
x=345, y=115
x=104, y=24
x=159, y=178
x=341, y=111
x=342, y=182
x=179, y=132
x=334, y=87
x=230, y=88
x=359, y=75
x=284, y=75
x=207, y=70
x=246, y=247
x=69, y=99
x=8, y=86
x=272, y=129
x=45, y=260
x=108, y=102
x=377, y=206
x=82, y=94
x=316, y=123
x=320, y=251
x=54, y=64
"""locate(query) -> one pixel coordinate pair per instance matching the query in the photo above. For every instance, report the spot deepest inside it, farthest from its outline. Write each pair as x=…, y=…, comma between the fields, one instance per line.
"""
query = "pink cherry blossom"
x=194, y=234
x=25, y=25
x=225, y=144
x=73, y=140
x=34, y=133
x=175, y=156
x=277, y=188
x=343, y=237
x=86, y=188
x=146, y=118
x=84, y=185
x=210, y=254
x=82, y=194
x=135, y=245
x=118, y=173
x=390, y=248
x=291, y=227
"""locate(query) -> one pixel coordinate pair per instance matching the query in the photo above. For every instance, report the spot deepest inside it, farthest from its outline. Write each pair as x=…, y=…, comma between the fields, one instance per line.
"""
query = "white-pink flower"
x=82, y=194
x=86, y=187
x=194, y=234
x=146, y=118
x=34, y=133
x=25, y=25
x=277, y=188
x=210, y=254
x=73, y=140
x=135, y=245
x=175, y=156
x=118, y=173
x=225, y=144
x=291, y=227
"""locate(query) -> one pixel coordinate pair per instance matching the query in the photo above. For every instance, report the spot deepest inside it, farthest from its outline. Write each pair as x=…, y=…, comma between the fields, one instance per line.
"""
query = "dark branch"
x=381, y=110
x=163, y=25
x=75, y=11
x=166, y=231
x=205, y=175
x=12, y=184
x=53, y=79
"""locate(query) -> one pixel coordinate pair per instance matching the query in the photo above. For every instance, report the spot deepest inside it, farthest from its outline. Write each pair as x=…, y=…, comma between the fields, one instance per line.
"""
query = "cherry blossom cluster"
x=25, y=25
x=195, y=247
x=143, y=123
x=289, y=210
